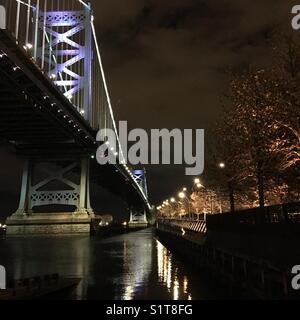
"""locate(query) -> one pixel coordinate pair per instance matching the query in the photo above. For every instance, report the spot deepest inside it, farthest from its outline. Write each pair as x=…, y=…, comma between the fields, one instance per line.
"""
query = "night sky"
x=167, y=63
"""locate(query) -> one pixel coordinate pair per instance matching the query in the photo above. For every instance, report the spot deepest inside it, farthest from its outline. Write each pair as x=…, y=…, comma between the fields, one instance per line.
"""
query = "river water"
x=130, y=266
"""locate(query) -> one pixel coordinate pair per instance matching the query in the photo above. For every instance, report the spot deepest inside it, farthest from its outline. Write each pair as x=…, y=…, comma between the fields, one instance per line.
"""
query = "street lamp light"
x=184, y=189
x=196, y=181
x=181, y=195
x=222, y=165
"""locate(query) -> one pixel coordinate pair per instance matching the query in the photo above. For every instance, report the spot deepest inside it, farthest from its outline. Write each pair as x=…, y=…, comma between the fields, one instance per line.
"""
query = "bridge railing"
x=198, y=226
x=283, y=214
x=277, y=214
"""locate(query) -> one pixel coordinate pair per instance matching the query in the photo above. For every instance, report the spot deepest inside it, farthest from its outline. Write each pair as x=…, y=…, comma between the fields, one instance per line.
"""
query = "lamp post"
x=182, y=196
x=222, y=166
x=158, y=209
x=173, y=202
x=167, y=205
x=200, y=185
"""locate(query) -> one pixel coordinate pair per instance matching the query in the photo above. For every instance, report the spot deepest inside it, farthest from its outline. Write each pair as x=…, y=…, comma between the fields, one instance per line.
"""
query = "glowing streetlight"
x=172, y=200
x=184, y=189
x=181, y=195
x=222, y=165
x=196, y=181
x=28, y=46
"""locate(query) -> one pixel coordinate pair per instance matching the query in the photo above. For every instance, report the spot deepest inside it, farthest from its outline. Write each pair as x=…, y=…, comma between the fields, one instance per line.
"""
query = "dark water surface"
x=129, y=266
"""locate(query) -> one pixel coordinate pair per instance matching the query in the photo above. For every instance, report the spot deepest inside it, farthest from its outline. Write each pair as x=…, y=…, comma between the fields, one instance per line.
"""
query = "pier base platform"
x=48, y=224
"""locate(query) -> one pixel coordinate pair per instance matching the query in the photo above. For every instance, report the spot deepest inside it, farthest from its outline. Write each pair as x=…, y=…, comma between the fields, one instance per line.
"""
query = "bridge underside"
x=138, y=218
x=40, y=124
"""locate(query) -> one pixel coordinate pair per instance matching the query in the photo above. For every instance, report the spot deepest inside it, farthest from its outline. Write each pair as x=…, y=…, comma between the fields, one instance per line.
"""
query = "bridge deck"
x=40, y=122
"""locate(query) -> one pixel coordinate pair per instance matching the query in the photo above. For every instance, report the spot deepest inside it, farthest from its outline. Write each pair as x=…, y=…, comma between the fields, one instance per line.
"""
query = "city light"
x=197, y=181
x=28, y=46
x=222, y=165
x=181, y=195
x=173, y=200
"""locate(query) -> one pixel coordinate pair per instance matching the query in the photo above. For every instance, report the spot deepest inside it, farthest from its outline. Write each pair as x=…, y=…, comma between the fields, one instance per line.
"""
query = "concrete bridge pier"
x=62, y=182
x=138, y=218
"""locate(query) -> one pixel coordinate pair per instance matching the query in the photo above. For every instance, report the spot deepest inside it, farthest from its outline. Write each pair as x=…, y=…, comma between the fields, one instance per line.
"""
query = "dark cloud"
x=167, y=61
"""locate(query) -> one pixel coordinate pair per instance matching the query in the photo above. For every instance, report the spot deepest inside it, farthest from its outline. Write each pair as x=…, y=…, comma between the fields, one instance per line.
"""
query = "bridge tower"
x=138, y=217
x=63, y=48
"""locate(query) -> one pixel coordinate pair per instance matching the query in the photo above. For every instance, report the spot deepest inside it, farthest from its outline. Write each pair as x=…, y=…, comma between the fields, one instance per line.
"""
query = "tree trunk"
x=261, y=194
x=231, y=198
x=261, y=197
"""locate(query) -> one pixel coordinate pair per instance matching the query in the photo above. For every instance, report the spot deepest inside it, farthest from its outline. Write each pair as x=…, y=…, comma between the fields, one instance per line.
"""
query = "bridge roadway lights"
x=138, y=218
x=57, y=187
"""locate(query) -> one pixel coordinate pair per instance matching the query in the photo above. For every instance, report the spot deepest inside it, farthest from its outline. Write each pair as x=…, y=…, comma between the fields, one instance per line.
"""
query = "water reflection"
x=169, y=274
x=130, y=266
x=137, y=259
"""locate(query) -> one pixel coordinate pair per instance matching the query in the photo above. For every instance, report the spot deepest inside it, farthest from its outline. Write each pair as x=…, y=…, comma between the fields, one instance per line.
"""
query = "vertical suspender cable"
x=51, y=54
x=44, y=35
x=37, y=12
x=28, y=22
x=18, y=20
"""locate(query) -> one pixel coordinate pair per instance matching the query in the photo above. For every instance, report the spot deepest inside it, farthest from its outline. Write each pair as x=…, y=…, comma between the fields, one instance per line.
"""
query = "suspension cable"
x=105, y=86
x=85, y=4
x=26, y=4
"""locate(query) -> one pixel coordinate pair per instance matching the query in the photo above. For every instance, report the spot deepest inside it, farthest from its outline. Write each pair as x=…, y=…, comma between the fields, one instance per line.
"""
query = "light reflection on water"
x=130, y=266
x=169, y=275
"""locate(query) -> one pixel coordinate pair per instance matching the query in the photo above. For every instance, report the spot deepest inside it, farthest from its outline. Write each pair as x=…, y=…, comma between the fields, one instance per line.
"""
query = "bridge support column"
x=138, y=218
x=23, y=209
x=53, y=183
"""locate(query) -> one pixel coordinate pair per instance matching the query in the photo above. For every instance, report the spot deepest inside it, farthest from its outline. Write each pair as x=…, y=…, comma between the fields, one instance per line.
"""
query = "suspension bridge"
x=53, y=101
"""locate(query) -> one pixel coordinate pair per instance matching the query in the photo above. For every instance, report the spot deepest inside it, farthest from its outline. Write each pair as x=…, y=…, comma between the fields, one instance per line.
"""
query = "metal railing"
x=198, y=226
x=277, y=214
